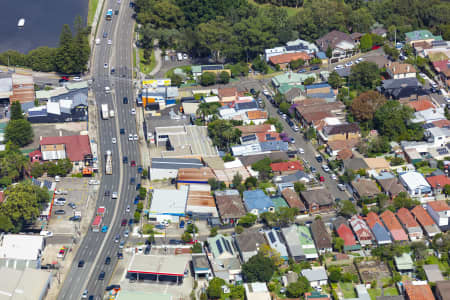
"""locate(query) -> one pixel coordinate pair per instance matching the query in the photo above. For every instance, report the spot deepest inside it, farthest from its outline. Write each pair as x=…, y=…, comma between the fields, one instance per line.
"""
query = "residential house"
x=292, y=178
x=439, y=137
x=364, y=188
x=256, y=291
x=394, y=227
x=376, y=165
x=404, y=264
x=418, y=291
x=433, y=273
x=248, y=243
x=321, y=91
x=438, y=183
x=257, y=202
x=379, y=30
x=297, y=46
x=228, y=94
x=381, y=234
x=283, y=60
x=299, y=242
x=344, y=232
x=294, y=94
x=443, y=290
x=317, y=200
x=390, y=184
x=201, y=267
x=317, y=276
x=341, y=44
x=404, y=89
x=340, y=132
x=291, y=79
x=362, y=230
x=424, y=219
x=286, y=168
x=223, y=258
x=256, y=117
x=440, y=212
x=423, y=35
x=293, y=199
x=355, y=164
x=429, y=115
x=274, y=239
x=398, y=70
x=422, y=104
x=321, y=236
x=230, y=206
x=410, y=224
x=415, y=184
x=311, y=114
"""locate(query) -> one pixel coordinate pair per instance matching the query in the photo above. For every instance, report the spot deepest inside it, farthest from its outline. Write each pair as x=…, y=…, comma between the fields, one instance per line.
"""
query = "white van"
x=107, y=89
x=180, y=56
x=97, y=41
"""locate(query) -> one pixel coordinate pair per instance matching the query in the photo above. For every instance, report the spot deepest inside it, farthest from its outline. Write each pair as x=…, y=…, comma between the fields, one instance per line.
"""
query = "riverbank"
x=91, y=12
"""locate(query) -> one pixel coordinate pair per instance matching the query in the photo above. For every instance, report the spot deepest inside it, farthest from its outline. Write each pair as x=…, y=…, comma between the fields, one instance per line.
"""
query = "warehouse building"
x=194, y=176
x=19, y=251
x=24, y=284
x=164, y=168
x=200, y=202
x=158, y=268
x=168, y=205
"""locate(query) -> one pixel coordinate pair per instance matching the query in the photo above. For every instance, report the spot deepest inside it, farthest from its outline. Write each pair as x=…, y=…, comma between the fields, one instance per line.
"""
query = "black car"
x=61, y=199
x=101, y=276
x=252, y=91
x=75, y=218
x=116, y=12
x=108, y=260
x=91, y=297
x=319, y=158
x=122, y=131
x=175, y=242
x=107, y=193
x=112, y=286
x=125, y=100
x=60, y=212
x=119, y=255
x=313, y=68
x=138, y=186
x=132, y=180
x=312, y=169
x=81, y=264
x=125, y=159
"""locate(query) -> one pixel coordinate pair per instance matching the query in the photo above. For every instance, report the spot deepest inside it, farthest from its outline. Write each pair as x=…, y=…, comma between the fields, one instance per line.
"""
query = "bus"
x=109, y=14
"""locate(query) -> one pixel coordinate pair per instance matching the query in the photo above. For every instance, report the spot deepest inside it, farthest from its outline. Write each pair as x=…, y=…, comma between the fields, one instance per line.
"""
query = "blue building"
x=257, y=202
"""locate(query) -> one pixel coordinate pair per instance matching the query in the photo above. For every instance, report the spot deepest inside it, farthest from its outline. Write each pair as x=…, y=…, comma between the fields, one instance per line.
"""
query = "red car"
x=322, y=179
x=124, y=222
x=65, y=78
x=192, y=242
x=133, y=163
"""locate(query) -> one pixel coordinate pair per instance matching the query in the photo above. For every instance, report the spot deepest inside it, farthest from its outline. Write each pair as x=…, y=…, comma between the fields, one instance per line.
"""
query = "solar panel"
x=48, y=184
x=272, y=237
x=249, y=138
x=219, y=246
x=227, y=245
x=442, y=151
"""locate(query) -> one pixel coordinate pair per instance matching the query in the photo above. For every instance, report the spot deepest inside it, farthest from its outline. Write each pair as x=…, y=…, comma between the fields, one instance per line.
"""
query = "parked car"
x=326, y=168
x=314, y=68
x=60, y=212
x=341, y=187
x=46, y=233
x=319, y=158
x=312, y=169
x=333, y=176
x=301, y=151
x=94, y=182
x=181, y=224
x=60, y=192
x=75, y=218
x=322, y=179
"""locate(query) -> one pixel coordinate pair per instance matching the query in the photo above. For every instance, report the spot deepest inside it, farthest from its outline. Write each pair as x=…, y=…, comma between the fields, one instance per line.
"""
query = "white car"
x=94, y=182
x=338, y=67
x=301, y=151
x=105, y=66
x=46, y=233
x=113, y=140
x=133, y=111
x=333, y=176
x=349, y=64
x=127, y=209
x=266, y=92
x=185, y=56
x=135, y=137
x=360, y=59
x=130, y=137
x=125, y=233
x=341, y=187
x=423, y=75
x=284, y=116
x=60, y=192
x=164, y=223
x=57, y=178
x=325, y=168
x=76, y=78
x=295, y=128
x=109, y=42
x=114, y=195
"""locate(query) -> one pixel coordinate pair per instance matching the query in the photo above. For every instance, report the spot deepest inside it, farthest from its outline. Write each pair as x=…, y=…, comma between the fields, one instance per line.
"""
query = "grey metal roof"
x=175, y=163
x=274, y=146
x=315, y=274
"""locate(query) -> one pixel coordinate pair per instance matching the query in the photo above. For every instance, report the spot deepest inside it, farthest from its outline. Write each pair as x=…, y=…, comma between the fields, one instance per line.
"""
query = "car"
x=65, y=78
x=339, y=67
x=109, y=42
x=159, y=226
x=175, y=242
x=130, y=222
x=117, y=238
x=105, y=65
x=252, y=91
x=301, y=150
x=93, y=182
x=333, y=176
x=119, y=255
x=60, y=192
x=122, y=130
x=284, y=116
x=107, y=193
x=125, y=100
x=266, y=92
x=182, y=224
x=104, y=228
x=135, y=137
x=314, y=68
x=107, y=260
x=133, y=163
x=127, y=209
x=319, y=158
x=72, y=205
x=164, y=222
x=114, y=195
x=312, y=169
x=325, y=168
x=295, y=128
x=130, y=137
x=75, y=218
x=280, y=112
x=113, y=70
x=61, y=199
x=105, y=35
x=301, y=71
x=138, y=186
x=290, y=123
x=121, y=244
x=112, y=287
x=91, y=297
x=124, y=222
x=126, y=233
x=60, y=212
x=291, y=140
x=59, y=203
x=81, y=264
x=322, y=179
x=57, y=178
x=360, y=59
x=113, y=140
x=116, y=12
x=133, y=111
x=101, y=276
x=341, y=187
x=349, y=64
x=185, y=56
x=423, y=75
x=132, y=180
x=46, y=233
x=125, y=159
x=84, y=295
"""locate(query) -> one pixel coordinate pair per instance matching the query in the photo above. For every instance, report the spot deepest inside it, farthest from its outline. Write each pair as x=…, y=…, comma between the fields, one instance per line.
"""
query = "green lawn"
x=145, y=65
x=347, y=289
x=431, y=260
x=92, y=8
x=426, y=170
x=291, y=11
x=374, y=293
x=390, y=291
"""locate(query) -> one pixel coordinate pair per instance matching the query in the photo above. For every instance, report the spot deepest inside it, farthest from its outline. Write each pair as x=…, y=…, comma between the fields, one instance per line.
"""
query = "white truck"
x=108, y=162
x=111, y=113
x=105, y=111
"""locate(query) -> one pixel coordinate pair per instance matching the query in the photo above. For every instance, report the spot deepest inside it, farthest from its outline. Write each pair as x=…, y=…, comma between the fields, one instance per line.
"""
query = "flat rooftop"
x=22, y=284
x=159, y=264
x=24, y=247
x=169, y=201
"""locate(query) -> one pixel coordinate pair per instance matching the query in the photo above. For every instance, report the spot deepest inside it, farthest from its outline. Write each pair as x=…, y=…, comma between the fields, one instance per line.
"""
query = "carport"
x=158, y=268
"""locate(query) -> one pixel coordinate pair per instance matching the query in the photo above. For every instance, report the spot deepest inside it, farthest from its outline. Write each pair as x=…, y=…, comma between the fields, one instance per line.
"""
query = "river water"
x=43, y=22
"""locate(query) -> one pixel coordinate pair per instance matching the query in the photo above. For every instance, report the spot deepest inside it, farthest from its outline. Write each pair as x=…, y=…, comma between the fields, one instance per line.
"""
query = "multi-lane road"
x=96, y=246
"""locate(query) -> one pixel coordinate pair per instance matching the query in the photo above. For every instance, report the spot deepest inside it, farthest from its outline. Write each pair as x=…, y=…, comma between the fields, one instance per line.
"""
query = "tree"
x=263, y=167
x=364, y=76
x=298, y=288
x=248, y=220
x=335, y=80
x=258, y=268
x=223, y=134
x=176, y=80
x=214, y=289
x=284, y=107
x=348, y=209
x=19, y=132
x=295, y=64
x=260, y=65
x=276, y=122
x=207, y=78
x=338, y=244
x=403, y=200
x=251, y=182
x=197, y=248
x=271, y=253
x=335, y=273
x=366, y=42
x=366, y=104
x=329, y=52
x=237, y=180
x=309, y=81
x=239, y=229
x=299, y=186
x=80, y=45
x=447, y=189
x=137, y=217
x=16, y=111
x=311, y=133
x=224, y=77
x=64, y=56
x=186, y=237
x=213, y=231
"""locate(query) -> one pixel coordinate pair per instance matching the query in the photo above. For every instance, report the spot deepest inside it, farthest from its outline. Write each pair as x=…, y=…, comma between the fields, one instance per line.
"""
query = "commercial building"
x=168, y=205
x=165, y=168
x=230, y=205
x=201, y=266
x=22, y=88
x=137, y=295
x=194, y=176
x=24, y=284
x=159, y=97
x=158, y=267
x=21, y=251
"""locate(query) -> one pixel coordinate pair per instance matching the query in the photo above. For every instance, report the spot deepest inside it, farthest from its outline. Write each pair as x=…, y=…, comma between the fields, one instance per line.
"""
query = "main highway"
x=96, y=246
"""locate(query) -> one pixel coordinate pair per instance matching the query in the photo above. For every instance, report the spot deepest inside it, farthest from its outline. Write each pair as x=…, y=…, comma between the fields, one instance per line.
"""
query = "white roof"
x=26, y=247
x=414, y=180
x=169, y=201
x=23, y=284
x=436, y=131
x=233, y=164
x=159, y=264
x=332, y=121
x=5, y=84
x=428, y=115
x=65, y=103
x=211, y=99
x=53, y=108
x=256, y=291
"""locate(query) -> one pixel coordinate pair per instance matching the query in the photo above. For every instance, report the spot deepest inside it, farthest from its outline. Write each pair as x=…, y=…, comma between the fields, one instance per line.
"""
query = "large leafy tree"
x=16, y=111
x=298, y=288
x=19, y=132
x=258, y=268
x=12, y=165
x=214, y=289
x=366, y=104
x=223, y=133
x=364, y=76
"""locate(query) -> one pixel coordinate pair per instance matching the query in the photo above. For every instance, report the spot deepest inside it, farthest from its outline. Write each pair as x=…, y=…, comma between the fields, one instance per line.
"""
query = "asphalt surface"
x=96, y=246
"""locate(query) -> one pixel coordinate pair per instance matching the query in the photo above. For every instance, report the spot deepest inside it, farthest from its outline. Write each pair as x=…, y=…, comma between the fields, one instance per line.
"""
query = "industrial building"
x=168, y=205
x=200, y=203
x=158, y=268
x=194, y=176
x=165, y=168
x=21, y=251
x=24, y=284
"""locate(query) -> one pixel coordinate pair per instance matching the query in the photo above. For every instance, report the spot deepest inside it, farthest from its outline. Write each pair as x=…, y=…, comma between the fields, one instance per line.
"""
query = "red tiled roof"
x=316, y=116
x=262, y=136
x=420, y=105
x=438, y=205
x=393, y=225
x=257, y=114
x=422, y=216
x=440, y=65
x=227, y=92
x=345, y=154
x=442, y=180
x=372, y=218
x=293, y=199
x=286, y=166
x=418, y=292
x=77, y=146
x=288, y=57
x=441, y=123
x=406, y=218
x=346, y=234
x=255, y=128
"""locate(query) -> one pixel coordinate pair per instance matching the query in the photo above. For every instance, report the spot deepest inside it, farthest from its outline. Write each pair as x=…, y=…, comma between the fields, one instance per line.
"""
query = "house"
x=340, y=132
x=274, y=239
x=201, y=266
x=424, y=219
x=404, y=264
x=419, y=105
x=293, y=199
x=285, y=168
x=228, y=94
x=439, y=211
x=342, y=149
x=256, y=117
x=355, y=164
x=443, y=290
x=438, y=183
x=291, y=79
x=415, y=184
x=257, y=202
x=364, y=188
x=294, y=94
x=376, y=165
x=438, y=137
x=248, y=243
x=317, y=200
x=362, y=230
x=381, y=234
x=317, y=276
x=433, y=273
x=423, y=35
x=321, y=91
x=321, y=236
x=410, y=224
x=283, y=60
x=223, y=258
x=299, y=242
x=429, y=115
x=390, y=184
x=292, y=178
x=397, y=70
x=262, y=128
x=168, y=205
x=344, y=232
x=256, y=291
x=341, y=44
x=230, y=206
x=394, y=227
x=165, y=168
x=297, y=46
x=404, y=90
